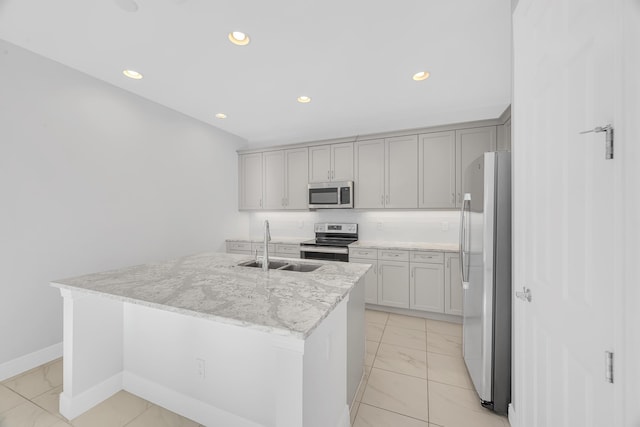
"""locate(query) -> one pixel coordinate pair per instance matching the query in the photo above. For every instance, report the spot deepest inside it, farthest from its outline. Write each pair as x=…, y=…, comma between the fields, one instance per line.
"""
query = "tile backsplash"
x=404, y=226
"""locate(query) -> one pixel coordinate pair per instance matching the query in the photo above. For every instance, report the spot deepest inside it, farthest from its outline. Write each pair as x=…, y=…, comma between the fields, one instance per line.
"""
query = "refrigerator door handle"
x=463, y=238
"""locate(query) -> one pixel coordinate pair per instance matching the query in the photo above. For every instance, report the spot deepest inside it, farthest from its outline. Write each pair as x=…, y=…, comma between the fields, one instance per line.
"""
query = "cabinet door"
x=393, y=283
x=273, y=181
x=369, y=171
x=471, y=144
x=452, y=285
x=401, y=172
x=296, y=193
x=427, y=287
x=250, y=185
x=370, y=280
x=320, y=163
x=342, y=162
x=437, y=170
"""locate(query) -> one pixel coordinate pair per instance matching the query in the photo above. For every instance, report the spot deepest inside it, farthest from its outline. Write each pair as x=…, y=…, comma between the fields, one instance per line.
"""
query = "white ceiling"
x=355, y=58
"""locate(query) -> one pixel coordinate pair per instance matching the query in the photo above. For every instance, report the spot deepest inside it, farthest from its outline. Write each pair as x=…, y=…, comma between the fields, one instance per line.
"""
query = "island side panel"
x=325, y=372
x=211, y=372
x=92, y=364
x=355, y=340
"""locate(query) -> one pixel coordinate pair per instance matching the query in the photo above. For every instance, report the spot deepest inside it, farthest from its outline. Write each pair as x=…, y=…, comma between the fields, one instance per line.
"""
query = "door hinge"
x=608, y=129
x=608, y=356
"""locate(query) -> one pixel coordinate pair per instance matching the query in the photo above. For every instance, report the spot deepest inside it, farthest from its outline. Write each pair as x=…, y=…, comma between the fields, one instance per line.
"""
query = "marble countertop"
x=211, y=285
x=407, y=246
x=274, y=240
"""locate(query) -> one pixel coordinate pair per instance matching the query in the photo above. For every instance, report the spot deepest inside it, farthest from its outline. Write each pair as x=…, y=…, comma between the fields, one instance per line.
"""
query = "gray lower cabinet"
x=452, y=285
x=393, y=283
x=414, y=279
x=370, y=280
x=426, y=288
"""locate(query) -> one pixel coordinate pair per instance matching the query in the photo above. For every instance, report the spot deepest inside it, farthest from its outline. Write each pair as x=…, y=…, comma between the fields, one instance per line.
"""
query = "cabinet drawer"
x=288, y=249
x=393, y=255
x=260, y=247
x=363, y=253
x=430, y=257
x=239, y=246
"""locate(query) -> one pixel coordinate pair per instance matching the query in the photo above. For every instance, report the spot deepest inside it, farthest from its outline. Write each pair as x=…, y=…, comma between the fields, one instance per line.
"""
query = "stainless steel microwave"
x=331, y=195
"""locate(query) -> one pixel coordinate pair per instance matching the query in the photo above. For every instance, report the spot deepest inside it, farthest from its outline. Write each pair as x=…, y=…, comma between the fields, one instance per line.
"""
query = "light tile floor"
x=414, y=377
x=31, y=400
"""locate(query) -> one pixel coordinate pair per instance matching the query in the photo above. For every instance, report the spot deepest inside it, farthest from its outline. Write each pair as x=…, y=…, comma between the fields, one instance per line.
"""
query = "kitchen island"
x=216, y=342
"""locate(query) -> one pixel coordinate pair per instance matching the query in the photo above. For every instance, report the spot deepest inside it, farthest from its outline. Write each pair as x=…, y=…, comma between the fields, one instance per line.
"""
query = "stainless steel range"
x=331, y=242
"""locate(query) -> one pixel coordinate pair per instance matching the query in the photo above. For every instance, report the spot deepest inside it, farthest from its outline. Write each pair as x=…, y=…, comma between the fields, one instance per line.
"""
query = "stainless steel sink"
x=273, y=265
x=280, y=265
x=302, y=268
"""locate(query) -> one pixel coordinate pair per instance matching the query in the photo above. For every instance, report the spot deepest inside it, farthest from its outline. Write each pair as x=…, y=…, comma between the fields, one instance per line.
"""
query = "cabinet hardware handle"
x=333, y=174
x=328, y=174
x=412, y=270
x=387, y=199
x=453, y=198
x=382, y=200
x=260, y=202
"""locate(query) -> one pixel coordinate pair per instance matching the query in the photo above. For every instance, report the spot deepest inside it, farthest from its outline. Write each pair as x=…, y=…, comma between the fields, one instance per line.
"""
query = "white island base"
x=214, y=373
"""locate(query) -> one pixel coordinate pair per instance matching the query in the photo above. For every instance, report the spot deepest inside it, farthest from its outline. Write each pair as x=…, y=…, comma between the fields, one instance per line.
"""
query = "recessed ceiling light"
x=304, y=99
x=132, y=74
x=422, y=75
x=239, y=38
x=221, y=116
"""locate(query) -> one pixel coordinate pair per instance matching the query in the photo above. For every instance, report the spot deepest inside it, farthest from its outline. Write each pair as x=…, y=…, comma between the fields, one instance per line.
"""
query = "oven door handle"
x=324, y=250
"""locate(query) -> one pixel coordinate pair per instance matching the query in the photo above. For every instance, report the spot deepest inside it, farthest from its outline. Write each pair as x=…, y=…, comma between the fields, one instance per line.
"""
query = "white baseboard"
x=184, y=405
x=71, y=407
x=345, y=418
x=29, y=361
x=512, y=416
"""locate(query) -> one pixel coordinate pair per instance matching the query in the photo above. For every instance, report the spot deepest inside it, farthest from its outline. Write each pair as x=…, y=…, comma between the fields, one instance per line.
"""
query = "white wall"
x=404, y=226
x=92, y=178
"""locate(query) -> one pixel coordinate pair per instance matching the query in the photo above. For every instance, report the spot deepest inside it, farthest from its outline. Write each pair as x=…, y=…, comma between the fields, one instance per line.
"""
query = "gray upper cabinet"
x=250, y=182
x=471, y=144
x=369, y=174
x=297, y=172
x=386, y=173
x=273, y=180
x=504, y=136
x=437, y=170
x=333, y=162
x=401, y=172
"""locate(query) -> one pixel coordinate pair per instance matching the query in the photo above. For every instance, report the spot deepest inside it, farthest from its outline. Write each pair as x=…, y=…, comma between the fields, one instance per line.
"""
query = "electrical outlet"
x=200, y=368
x=380, y=226
x=300, y=224
x=445, y=226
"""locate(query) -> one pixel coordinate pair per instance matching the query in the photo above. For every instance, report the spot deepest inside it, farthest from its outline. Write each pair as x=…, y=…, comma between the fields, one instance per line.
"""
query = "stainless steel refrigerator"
x=485, y=260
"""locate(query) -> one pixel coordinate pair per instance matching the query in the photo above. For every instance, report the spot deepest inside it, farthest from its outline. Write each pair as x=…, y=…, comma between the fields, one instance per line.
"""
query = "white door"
x=297, y=171
x=369, y=182
x=401, y=172
x=273, y=181
x=563, y=212
x=342, y=162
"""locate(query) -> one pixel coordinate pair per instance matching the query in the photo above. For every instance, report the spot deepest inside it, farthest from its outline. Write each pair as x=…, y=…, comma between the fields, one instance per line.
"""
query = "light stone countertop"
x=211, y=285
x=406, y=246
x=279, y=240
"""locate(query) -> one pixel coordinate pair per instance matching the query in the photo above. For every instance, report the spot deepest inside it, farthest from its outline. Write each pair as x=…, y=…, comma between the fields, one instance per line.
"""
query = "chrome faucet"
x=267, y=239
